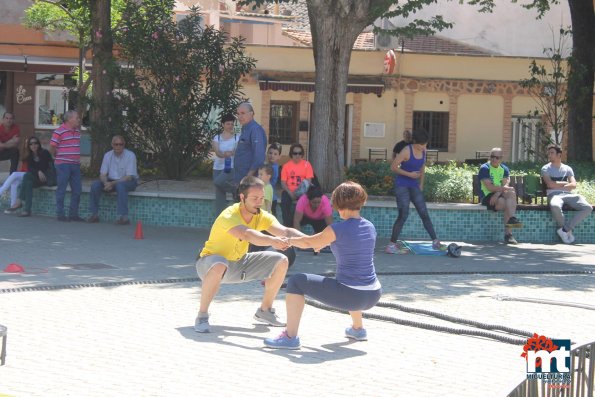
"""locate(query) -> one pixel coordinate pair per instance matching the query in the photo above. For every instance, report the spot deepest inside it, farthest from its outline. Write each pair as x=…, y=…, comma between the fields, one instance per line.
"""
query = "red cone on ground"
x=14, y=268
x=138, y=234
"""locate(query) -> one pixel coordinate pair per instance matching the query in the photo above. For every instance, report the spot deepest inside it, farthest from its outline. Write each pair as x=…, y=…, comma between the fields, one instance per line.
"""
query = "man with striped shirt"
x=65, y=146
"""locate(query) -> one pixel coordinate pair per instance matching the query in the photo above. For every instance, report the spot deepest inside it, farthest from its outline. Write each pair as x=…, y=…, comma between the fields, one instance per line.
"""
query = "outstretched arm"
x=316, y=241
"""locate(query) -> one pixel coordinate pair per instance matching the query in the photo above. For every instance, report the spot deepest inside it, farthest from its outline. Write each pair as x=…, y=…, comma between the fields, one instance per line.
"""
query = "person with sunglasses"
x=296, y=177
x=495, y=193
x=39, y=171
x=118, y=174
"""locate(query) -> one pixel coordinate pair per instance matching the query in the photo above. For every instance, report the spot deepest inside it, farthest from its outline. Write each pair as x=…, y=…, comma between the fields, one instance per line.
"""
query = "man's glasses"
x=496, y=157
x=117, y=144
x=297, y=153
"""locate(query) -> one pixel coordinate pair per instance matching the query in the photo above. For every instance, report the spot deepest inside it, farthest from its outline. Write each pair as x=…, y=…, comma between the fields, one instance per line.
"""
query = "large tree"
x=89, y=23
x=335, y=25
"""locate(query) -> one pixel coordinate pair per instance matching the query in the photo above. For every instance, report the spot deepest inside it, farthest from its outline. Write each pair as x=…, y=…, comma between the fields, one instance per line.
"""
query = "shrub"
x=376, y=177
x=452, y=183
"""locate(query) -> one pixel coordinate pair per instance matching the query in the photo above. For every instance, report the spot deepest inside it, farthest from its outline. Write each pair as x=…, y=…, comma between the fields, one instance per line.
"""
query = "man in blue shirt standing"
x=251, y=148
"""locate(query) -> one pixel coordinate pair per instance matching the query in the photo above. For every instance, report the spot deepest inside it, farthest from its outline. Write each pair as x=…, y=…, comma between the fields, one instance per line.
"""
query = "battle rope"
x=439, y=328
x=431, y=327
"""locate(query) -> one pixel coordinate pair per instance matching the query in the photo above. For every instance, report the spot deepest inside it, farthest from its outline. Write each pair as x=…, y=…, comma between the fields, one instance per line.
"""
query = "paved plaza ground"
x=136, y=339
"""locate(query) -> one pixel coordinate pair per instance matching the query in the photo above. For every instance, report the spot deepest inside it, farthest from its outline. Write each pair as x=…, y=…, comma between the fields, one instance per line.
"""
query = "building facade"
x=469, y=99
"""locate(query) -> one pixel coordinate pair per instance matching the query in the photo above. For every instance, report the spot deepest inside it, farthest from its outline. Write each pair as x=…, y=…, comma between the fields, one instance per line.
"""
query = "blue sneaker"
x=201, y=324
x=283, y=342
x=357, y=334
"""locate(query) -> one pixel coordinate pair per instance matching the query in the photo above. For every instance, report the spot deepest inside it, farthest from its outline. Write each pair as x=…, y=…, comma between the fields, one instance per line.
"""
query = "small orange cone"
x=138, y=234
x=14, y=268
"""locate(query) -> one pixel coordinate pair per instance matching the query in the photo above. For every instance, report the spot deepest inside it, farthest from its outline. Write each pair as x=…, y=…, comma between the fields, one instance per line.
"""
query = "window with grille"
x=529, y=141
x=283, y=122
x=436, y=124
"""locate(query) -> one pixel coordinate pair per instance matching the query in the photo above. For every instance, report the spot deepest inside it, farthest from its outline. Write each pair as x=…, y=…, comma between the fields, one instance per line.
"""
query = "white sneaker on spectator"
x=570, y=237
x=563, y=236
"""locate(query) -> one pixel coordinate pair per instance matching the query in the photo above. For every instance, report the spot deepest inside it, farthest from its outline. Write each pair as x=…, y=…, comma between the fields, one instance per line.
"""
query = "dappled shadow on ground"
x=233, y=336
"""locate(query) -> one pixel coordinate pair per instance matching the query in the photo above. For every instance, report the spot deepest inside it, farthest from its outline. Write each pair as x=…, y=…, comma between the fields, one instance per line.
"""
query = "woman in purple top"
x=409, y=165
x=355, y=287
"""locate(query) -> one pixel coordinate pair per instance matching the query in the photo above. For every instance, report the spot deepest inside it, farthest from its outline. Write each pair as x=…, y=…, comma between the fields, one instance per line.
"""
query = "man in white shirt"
x=118, y=173
x=560, y=182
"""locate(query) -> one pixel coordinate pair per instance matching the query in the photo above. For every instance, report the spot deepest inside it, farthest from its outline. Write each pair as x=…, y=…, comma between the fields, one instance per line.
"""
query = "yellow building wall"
x=522, y=105
x=297, y=59
x=431, y=102
x=479, y=124
x=379, y=110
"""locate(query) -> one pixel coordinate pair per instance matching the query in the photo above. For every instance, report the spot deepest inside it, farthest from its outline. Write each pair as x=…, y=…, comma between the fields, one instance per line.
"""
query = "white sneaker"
x=570, y=237
x=563, y=236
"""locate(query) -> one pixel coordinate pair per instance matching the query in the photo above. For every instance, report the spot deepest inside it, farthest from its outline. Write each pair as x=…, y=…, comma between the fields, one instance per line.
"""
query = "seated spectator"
x=314, y=209
x=118, y=173
x=13, y=182
x=296, y=176
x=9, y=141
x=495, y=193
x=40, y=171
x=560, y=182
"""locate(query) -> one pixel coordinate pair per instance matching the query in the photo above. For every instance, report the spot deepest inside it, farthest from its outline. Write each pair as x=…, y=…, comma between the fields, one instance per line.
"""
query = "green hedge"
x=452, y=182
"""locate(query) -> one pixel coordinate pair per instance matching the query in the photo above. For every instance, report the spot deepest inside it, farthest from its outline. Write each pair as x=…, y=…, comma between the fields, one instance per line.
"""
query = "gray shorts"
x=252, y=266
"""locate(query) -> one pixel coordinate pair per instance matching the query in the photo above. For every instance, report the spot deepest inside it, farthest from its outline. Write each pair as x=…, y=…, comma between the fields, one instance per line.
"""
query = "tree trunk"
x=102, y=114
x=334, y=27
x=580, y=81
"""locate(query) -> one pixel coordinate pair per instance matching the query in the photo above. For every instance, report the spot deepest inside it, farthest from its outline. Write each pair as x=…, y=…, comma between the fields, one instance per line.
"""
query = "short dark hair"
x=267, y=168
x=276, y=146
x=557, y=148
x=249, y=182
x=349, y=196
x=293, y=146
x=420, y=136
x=314, y=192
x=7, y=112
x=227, y=117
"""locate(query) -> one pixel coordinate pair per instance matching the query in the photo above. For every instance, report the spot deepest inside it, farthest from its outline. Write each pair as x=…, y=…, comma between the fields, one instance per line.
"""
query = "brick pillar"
x=356, y=130
x=265, y=111
x=409, y=97
x=453, y=108
x=507, y=127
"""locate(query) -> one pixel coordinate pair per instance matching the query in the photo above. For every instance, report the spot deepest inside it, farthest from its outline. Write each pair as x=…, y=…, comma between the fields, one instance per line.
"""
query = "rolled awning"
x=357, y=86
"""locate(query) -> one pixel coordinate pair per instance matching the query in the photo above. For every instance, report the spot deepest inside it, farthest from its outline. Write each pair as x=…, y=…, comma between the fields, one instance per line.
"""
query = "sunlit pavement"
x=137, y=338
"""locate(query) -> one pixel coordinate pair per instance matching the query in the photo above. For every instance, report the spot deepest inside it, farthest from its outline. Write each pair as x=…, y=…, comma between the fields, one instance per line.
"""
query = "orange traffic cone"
x=138, y=234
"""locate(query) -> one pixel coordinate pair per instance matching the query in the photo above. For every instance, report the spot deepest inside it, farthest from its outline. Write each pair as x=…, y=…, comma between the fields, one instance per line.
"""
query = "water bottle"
x=227, y=166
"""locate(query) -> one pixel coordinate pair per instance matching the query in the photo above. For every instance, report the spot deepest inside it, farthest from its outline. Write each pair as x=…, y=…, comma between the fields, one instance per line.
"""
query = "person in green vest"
x=495, y=193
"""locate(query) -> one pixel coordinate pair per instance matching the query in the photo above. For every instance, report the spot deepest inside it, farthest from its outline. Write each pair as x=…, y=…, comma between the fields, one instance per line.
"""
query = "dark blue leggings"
x=331, y=292
x=406, y=195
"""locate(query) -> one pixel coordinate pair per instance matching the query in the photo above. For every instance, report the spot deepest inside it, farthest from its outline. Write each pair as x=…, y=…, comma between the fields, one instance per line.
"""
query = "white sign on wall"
x=374, y=130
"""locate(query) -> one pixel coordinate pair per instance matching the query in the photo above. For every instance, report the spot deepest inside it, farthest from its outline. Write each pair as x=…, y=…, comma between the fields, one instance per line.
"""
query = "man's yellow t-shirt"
x=222, y=243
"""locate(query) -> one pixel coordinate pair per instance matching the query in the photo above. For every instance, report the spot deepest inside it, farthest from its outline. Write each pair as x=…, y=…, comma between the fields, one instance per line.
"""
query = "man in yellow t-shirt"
x=225, y=257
